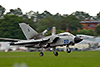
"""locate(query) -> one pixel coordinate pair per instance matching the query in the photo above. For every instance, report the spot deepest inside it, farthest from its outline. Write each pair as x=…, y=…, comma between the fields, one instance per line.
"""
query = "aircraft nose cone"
x=77, y=39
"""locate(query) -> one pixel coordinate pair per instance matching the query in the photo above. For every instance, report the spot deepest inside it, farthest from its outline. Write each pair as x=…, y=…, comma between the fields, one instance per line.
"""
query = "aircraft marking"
x=28, y=30
x=66, y=41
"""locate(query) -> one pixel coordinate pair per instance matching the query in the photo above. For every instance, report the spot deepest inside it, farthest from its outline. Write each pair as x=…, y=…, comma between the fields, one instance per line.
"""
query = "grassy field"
x=32, y=59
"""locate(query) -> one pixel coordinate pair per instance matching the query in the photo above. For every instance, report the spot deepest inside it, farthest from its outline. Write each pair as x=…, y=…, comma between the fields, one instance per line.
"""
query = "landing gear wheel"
x=55, y=53
x=68, y=50
x=41, y=54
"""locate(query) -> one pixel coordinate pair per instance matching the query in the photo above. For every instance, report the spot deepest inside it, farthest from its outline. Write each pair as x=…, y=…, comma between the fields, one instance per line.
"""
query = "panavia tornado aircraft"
x=36, y=40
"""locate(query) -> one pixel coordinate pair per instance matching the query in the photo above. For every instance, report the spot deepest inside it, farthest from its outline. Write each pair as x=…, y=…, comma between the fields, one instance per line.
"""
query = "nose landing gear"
x=68, y=50
x=55, y=53
x=41, y=53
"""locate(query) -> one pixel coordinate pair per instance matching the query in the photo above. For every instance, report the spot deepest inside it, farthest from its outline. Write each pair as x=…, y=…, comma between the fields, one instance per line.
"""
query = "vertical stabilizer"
x=27, y=30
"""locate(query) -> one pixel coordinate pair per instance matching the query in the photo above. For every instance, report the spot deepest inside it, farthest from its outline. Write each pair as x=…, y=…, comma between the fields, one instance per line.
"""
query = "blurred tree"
x=47, y=22
x=59, y=31
x=82, y=15
x=17, y=12
x=65, y=15
x=98, y=16
x=35, y=16
x=97, y=30
x=2, y=10
x=86, y=32
x=9, y=27
x=29, y=14
x=46, y=14
x=25, y=17
x=71, y=23
x=57, y=16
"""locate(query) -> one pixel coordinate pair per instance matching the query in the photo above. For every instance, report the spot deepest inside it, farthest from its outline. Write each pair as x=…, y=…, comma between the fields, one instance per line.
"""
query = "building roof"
x=90, y=22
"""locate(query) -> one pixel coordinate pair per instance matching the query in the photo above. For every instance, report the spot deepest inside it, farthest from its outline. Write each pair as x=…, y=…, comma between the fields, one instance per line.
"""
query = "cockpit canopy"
x=65, y=34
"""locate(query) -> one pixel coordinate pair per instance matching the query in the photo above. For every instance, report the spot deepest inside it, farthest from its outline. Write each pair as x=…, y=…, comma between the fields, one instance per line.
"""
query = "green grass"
x=32, y=59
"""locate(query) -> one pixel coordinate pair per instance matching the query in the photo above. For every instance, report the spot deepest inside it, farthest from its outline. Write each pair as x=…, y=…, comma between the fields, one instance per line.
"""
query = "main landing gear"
x=41, y=53
x=55, y=52
x=68, y=50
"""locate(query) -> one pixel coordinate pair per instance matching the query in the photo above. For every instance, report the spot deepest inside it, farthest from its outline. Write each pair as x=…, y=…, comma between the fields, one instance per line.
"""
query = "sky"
x=53, y=6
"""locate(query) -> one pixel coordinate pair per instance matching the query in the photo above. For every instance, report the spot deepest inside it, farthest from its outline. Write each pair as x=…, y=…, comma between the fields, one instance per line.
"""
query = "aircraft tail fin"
x=28, y=31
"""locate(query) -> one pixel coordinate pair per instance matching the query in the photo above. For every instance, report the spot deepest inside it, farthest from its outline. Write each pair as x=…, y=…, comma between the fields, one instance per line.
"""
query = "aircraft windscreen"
x=64, y=35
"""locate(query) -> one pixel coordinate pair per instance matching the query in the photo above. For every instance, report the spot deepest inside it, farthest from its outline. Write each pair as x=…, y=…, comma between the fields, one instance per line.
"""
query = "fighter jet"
x=36, y=40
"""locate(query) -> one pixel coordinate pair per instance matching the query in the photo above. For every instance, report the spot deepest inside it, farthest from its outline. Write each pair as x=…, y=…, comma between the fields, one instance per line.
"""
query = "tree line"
x=40, y=21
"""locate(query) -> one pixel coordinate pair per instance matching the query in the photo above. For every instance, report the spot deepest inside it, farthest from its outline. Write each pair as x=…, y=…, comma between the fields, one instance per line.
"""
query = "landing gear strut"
x=68, y=50
x=41, y=53
x=55, y=52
